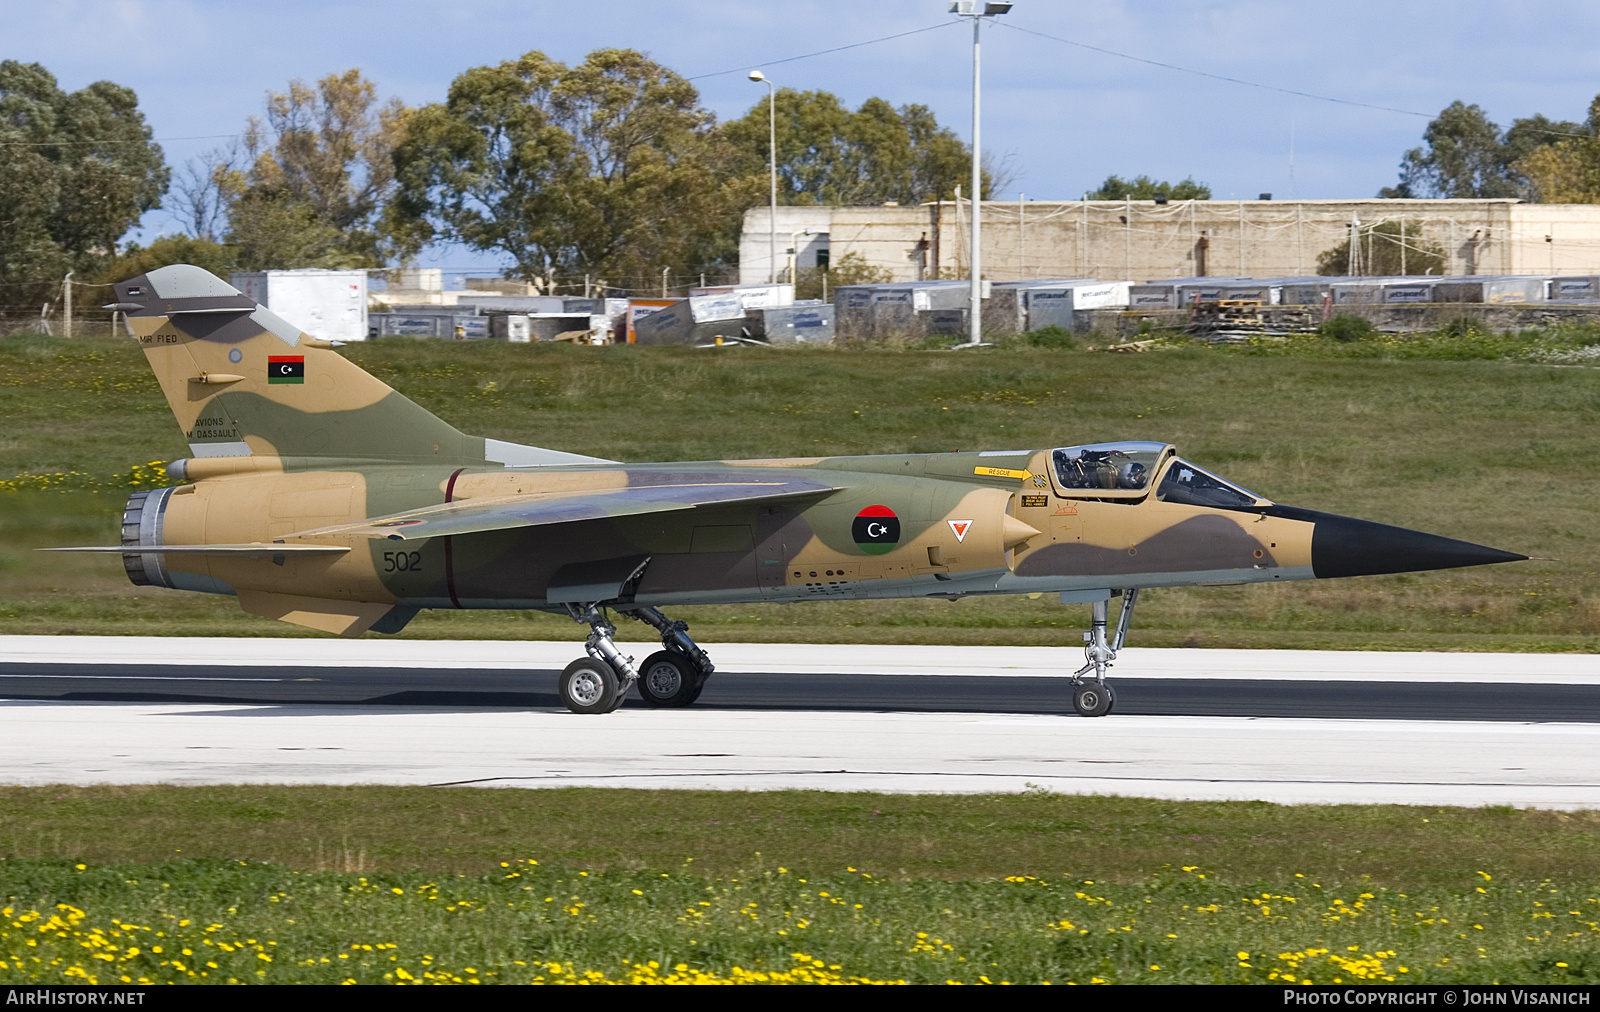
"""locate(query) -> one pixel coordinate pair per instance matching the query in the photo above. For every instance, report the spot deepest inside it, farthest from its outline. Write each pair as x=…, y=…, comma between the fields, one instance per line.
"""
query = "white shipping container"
x=1054, y=306
x=330, y=305
x=753, y=296
x=766, y=296
x=512, y=327
x=716, y=308
x=1111, y=295
x=1408, y=292
x=1583, y=288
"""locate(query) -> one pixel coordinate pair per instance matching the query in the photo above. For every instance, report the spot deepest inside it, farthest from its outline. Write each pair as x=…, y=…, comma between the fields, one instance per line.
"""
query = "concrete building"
x=1135, y=240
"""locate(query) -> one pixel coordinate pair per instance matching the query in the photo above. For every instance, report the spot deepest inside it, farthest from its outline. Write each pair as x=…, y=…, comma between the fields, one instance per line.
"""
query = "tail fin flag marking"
x=241, y=382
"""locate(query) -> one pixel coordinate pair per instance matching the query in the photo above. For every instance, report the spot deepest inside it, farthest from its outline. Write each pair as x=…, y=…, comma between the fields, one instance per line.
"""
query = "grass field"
x=367, y=884
x=1443, y=433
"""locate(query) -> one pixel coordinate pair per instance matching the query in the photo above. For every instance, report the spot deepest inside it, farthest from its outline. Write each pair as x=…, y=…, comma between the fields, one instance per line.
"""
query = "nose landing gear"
x=1093, y=697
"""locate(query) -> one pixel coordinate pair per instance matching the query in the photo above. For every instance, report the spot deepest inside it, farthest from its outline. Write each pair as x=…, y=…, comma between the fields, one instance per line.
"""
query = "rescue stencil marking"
x=1033, y=501
x=960, y=528
x=286, y=369
x=876, y=530
x=1003, y=472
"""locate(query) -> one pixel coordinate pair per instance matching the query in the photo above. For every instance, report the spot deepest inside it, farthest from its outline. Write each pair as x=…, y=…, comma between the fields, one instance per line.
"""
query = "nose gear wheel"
x=1093, y=699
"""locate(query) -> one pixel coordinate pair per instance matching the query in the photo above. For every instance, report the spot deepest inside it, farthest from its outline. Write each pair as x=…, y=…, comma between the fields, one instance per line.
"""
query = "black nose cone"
x=1342, y=546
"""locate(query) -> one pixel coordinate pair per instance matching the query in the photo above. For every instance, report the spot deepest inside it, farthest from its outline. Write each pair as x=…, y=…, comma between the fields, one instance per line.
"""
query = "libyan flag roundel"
x=876, y=530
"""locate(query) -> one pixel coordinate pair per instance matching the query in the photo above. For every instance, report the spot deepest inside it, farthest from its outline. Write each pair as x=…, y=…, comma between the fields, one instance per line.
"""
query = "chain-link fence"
x=54, y=324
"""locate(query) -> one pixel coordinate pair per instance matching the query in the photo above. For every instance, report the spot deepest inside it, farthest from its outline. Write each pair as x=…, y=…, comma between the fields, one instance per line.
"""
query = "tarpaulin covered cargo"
x=404, y=324
x=1165, y=293
x=1574, y=288
x=676, y=324
x=527, y=304
x=1054, y=306
x=885, y=310
x=469, y=325
x=802, y=324
x=1497, y=291
x=511, y=327
x=1005, y=311
x=753, y=296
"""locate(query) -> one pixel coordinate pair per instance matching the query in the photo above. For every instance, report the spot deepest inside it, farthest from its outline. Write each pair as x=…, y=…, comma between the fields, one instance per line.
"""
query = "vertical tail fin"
x=243, y=382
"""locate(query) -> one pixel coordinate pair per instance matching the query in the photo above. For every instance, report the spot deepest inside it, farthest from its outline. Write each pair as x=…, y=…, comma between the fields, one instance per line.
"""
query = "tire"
x=589, y=686
x=668, y=679
x=1092, y=699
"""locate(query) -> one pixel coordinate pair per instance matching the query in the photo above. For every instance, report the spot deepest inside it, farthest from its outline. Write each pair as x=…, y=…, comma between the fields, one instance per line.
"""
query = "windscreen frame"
x=1177, y=461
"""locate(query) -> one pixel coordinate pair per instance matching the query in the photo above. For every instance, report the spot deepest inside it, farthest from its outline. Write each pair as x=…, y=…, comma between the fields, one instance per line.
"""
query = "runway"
x=1283, y=726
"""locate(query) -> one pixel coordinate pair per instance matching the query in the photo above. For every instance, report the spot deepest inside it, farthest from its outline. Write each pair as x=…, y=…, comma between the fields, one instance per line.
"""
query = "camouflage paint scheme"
x=320, y=496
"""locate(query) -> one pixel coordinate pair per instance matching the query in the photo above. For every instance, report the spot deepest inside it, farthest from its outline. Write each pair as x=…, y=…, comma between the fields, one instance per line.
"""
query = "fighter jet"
x=317, y=495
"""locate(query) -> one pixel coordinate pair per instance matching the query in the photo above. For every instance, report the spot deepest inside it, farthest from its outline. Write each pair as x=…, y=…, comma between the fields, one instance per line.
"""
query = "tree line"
x=1466, y=155
x=610, y=168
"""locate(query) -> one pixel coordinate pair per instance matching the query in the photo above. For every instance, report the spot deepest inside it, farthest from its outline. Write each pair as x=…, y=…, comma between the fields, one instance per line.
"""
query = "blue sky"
x=1062, y=116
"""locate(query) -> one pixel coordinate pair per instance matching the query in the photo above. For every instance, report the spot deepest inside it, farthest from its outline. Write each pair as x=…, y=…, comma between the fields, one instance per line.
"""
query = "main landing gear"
x=1092, y=697
x=598, y=683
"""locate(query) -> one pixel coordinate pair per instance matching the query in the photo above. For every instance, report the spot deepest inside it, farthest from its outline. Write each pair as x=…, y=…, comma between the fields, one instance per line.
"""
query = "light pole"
x=772, y=159
x=977, y=10
x=794, y=255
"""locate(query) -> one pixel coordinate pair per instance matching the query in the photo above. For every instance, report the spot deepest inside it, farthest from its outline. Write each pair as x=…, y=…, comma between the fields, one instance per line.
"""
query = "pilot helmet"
x=1132, y=475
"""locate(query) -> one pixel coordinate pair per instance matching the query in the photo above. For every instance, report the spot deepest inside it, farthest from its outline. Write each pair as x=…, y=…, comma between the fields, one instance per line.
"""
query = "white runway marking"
x=1546, y=765
x=1215, y=758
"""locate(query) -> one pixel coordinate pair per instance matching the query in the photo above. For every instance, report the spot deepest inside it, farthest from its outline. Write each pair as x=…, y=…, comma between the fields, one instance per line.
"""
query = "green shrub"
x=1347, y=328
x=1462, y=326
x=1051, y=337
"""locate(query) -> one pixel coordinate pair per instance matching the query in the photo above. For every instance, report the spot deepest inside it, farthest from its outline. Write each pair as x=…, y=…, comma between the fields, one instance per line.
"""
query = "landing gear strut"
x=1092, y=697
x=598, y=683
x=674, y=675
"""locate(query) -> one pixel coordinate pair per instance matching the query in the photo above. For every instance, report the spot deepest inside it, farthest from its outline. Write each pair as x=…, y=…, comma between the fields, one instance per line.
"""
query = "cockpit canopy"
x=1109, y=467
x=1127, y=471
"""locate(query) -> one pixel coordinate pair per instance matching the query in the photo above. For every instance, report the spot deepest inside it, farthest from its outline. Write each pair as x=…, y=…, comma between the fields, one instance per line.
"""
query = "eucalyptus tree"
x=77, y=171
x=610, y=168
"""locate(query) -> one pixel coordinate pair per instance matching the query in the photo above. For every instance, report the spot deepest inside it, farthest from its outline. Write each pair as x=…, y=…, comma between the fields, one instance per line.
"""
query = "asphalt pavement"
x=808, y=690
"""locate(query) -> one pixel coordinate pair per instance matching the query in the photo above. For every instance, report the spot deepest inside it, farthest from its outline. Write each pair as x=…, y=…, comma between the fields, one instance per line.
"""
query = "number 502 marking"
x=400, y=562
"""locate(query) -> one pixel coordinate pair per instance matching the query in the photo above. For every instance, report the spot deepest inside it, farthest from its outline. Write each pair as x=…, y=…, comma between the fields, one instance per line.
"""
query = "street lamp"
x=794, y=255
x=977, y=11
x=772, y=158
